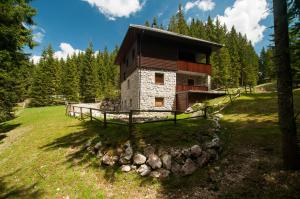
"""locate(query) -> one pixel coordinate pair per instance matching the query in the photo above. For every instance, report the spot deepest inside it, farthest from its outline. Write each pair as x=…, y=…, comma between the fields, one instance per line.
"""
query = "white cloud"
x=65, y=51
x=35, y=59
x=38, y=32
x=38, y=37
x=245, y=16
x=205, y=5
x=116, y=8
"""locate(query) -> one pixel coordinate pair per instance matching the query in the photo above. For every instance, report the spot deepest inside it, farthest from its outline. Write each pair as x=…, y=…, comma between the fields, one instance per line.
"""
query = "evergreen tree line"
x=84, y=77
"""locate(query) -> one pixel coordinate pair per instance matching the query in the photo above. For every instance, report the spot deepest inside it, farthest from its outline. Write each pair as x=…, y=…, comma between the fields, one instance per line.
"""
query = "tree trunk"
x=284, y=85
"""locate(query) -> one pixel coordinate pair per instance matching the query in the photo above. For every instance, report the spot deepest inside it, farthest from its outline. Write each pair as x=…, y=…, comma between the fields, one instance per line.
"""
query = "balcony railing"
x=191, y=88
x=194, y=67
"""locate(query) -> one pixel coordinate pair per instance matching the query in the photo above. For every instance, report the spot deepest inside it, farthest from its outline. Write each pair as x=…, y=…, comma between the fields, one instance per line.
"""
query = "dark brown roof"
x=134, y=29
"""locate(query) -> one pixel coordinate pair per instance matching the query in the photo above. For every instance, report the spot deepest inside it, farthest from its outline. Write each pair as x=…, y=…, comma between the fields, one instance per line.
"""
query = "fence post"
x=130, y=122
x=73, y=111
x=105, y=123
x=205, y=112
x=91, y=114
x=81, y=116
x=175, y=117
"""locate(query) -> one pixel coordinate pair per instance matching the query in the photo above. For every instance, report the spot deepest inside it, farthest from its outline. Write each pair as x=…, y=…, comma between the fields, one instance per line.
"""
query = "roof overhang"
x=133, y=31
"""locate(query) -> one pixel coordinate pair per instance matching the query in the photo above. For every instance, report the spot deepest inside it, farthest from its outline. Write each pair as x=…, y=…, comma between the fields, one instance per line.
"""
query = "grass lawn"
x=42, y=155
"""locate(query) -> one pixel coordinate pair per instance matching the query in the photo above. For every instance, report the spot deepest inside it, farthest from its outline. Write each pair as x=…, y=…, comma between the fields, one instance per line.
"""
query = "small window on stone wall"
x=159, y=78
x=130, y=103
x=128, y=84
x=159, y=102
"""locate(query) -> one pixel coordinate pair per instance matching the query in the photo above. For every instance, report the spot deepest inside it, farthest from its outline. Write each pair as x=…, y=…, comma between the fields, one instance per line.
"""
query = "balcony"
x=193, y=67
x=191, y=88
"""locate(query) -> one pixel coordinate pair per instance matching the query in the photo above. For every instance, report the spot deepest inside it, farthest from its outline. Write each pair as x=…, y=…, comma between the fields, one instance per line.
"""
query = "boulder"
x=189, y=167
x=99, y=154
x=196, y=150
x=213, y=154
x=214, y=143
x=154, y=161
x=133, y=167
x=144, y=170
x=166, y=161
x=98, y=146
x=176, y=168
x=203, y=159
x=186, y=152
x=109, y=160
x=127, y=154
x=160, y=173
x=155, y=174
x=139, y=159
x=125, y=168
x=175, y=152
x=148, y=150
x=163, y=173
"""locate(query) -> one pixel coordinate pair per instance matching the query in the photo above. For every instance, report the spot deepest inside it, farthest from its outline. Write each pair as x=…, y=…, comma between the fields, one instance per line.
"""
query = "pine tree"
x=181, y=22
x=70, y=80
x=46, y=82
x=15, y=15
x=89, y=78
x=234, y=72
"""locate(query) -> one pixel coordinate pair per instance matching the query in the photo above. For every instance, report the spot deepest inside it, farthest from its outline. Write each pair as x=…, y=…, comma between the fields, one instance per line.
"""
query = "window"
x=159, y=78
x=159, y=102
x=128, y=84
x=130, y=103
x=133, y=54
x=191, y=82
x=124, y=76
x=126, y=62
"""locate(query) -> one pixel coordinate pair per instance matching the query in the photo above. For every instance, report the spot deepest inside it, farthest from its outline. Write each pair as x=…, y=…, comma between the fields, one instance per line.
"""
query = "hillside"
x=42, y=156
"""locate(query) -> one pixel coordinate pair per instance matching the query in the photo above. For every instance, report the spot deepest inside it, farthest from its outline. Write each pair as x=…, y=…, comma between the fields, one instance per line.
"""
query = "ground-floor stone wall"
x=130, y=92
x=150, y=90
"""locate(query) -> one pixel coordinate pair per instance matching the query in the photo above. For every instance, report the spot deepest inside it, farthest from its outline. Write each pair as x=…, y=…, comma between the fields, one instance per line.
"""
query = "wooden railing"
x=194, y=67
x=129, y=120
x=191, y=88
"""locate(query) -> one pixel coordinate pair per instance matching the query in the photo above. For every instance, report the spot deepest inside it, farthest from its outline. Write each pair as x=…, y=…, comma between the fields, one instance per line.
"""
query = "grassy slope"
x=42, y=156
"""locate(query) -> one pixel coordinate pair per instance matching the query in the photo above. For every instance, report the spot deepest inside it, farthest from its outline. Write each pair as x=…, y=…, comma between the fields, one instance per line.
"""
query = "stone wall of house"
x=150, y=90
x=130, y=92
x=199, y=80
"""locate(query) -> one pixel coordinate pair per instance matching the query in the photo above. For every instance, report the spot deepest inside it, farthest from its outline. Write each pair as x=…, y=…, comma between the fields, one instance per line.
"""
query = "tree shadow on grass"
x=18, y=191
x=251, y=151
x=5, y=128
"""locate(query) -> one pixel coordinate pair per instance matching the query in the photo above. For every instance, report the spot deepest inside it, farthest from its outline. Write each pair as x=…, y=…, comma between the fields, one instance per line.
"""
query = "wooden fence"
x=129, y=119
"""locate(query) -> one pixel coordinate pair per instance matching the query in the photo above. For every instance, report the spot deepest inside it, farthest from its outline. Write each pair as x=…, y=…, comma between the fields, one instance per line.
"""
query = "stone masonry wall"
x=131, y=92
x=150, y=90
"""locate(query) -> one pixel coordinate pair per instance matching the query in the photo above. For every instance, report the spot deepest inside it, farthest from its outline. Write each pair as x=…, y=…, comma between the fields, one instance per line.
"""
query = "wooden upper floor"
x=152, y=48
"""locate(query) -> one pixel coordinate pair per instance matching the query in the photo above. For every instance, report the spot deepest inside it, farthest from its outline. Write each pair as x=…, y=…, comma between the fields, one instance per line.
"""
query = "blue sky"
x=69, y=25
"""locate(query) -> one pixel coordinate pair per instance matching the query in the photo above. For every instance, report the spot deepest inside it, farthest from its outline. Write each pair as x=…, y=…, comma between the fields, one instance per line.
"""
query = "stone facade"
x=150, y=90
x=139, y=90
x=130, y=92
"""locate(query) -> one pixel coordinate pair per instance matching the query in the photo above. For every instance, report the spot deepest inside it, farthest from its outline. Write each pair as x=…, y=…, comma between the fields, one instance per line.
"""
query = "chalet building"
x=164, y=70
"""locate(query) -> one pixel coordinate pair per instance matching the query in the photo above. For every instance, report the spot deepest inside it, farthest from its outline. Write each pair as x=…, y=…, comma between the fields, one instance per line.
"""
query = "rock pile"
x=110, y=105
x=160, y=162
